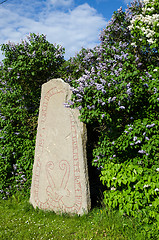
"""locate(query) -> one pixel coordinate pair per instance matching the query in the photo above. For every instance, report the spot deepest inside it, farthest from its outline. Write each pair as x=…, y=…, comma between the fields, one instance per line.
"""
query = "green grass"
x=20, y=221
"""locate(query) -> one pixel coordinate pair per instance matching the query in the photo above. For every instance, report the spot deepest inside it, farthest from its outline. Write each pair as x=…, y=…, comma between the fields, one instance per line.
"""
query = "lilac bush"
x=117, y=94
x=26, y=66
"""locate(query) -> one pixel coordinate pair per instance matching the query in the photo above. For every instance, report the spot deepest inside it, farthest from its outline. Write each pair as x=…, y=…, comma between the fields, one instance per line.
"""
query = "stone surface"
x=60, y=176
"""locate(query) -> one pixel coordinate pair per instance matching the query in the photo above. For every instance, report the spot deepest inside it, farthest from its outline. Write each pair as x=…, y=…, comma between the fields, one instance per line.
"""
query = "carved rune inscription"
x=57, y=182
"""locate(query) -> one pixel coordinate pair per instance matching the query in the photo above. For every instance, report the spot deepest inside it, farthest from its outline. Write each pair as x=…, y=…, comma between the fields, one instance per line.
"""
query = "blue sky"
x=72, y=23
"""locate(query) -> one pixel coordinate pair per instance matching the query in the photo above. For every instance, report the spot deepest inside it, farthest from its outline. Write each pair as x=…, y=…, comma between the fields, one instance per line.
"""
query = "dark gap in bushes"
x=96, y=187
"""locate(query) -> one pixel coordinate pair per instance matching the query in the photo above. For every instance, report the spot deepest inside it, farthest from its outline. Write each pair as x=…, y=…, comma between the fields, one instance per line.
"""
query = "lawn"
x=20, y=221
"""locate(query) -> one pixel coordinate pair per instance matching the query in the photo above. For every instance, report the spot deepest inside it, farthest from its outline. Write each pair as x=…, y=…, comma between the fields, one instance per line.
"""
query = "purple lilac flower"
x=146, y=85
x=95, y=160
x=79, y=100
x=16, y=133
x=97, y=157
x=141, y=151
x=128, y=85
x=151, y=125
x=129, y=91
x=103, y=91
x=122, y=107
x=113, y=99
x=142, y=78
x=139, y=64
x=66, y=105
x=137, y=59
x=80, y=107
x=149, y=75
x=79, y=95
x=125, y=55
x=109, y=99
x=3, y=118
x=100, y=100
x=103, y=81
x=155, y=90
x=116, y=73
x=99, y=86
x=92, y=70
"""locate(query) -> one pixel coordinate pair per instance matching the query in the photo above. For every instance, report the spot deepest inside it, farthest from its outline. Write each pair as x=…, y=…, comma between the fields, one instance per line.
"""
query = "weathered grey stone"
x=60, y=177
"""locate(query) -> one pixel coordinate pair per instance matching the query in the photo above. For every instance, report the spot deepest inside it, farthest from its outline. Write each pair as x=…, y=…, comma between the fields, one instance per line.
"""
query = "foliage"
x=118, y=94
x=25, y=68
x=18, y=220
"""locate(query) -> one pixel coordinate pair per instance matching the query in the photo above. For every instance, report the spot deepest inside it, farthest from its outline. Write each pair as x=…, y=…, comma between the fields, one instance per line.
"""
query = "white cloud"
x=75, y=28
x=62, y=3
